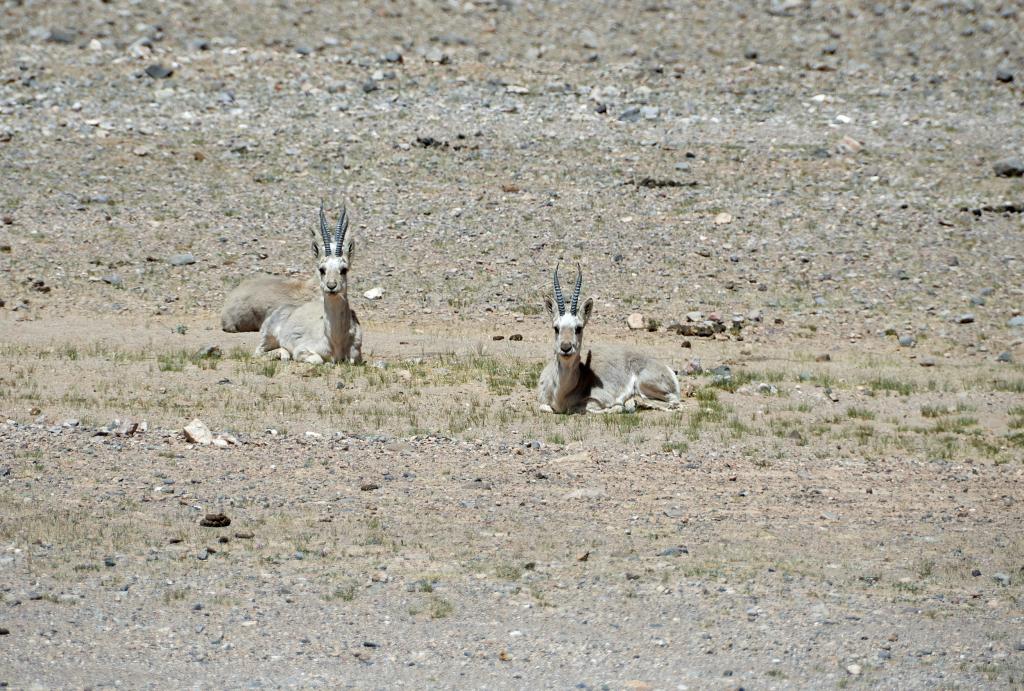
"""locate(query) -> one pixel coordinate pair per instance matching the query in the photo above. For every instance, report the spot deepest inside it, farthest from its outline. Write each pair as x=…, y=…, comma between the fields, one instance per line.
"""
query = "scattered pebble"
x=181, y=259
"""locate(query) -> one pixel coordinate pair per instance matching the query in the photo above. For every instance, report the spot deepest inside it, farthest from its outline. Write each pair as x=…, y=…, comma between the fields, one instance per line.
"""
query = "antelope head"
x=568, y=324
x=337, y=250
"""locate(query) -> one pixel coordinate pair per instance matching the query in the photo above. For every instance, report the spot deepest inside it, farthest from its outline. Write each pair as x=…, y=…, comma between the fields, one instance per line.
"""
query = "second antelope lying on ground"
x=324, y=330
x=608, y=382
x=253, y=299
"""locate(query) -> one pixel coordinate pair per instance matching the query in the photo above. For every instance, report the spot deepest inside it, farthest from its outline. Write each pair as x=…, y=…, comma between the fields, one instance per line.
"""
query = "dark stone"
x=630, y=115
x=62, y=36
x=215, y=520
x=1009, y=167
x=159, y=71
x=1004, y=75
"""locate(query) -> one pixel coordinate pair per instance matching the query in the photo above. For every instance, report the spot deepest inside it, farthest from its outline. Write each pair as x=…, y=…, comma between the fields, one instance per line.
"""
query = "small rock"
x=1004, y=75
x=210, y=351
x=908, y=341
x=853, y=670
x=1016, y=321
x=215, y=520
x=198, y=433
x=849, y=146
x=694, y=316
x=692, y=367
x=723, y=219
x=244, y=535
x=159, y=71
x=181, y=259
x=673, y=552
x=61, y=36
x=516, y=337
x=636, y=321
x=393, y=56
x=369, y=487
x=374, y=293
x=965, y=318
x=630, y=115
x=767, y=389
x=927, y=362
x=1005, y=356
x=683, y=166
x=109, y=562
x=437, y=56
x=114, y=280
x=649, y=112
x=1002, y=579
x=750, y=54
x=1009, y=167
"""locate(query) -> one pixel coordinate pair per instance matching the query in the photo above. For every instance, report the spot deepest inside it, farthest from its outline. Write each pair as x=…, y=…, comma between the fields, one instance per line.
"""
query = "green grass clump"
x=859, y=413
x=903, y=388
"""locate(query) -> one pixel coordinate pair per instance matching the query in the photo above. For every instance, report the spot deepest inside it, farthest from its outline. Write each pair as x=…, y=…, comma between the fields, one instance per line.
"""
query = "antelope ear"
x=346, y=247
x=588, y=307
x=549, y=305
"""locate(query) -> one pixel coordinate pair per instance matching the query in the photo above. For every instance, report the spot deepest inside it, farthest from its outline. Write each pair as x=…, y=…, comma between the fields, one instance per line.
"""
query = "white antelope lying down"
x=253, y=299
x=604, y=382
x=322, y=330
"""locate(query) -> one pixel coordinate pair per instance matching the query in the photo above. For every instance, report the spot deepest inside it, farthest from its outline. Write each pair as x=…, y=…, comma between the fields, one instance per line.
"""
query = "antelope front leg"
x=545, y=408
x=311, y=358
x=598, y=410
x=275, y=354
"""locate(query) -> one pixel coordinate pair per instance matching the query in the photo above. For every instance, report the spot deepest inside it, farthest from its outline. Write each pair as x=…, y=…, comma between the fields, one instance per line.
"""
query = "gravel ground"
x=838, y=185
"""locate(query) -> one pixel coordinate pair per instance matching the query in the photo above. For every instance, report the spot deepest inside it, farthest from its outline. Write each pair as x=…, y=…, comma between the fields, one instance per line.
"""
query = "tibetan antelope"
x=253, y=299
x=323, y=330
x=602, y=382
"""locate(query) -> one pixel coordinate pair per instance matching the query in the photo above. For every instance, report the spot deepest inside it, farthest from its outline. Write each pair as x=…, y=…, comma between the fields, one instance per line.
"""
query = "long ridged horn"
x=325, y=232
x=339, y=233
x=576, y=290
x=558, y=293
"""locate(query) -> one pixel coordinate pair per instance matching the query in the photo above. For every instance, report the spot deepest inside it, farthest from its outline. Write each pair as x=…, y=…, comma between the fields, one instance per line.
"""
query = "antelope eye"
x=556, y=330
x=322, y=271
x=344, y=270
x=579, y=330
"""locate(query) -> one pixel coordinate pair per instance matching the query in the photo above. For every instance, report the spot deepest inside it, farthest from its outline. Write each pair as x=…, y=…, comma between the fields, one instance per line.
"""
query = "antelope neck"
x=337, y=322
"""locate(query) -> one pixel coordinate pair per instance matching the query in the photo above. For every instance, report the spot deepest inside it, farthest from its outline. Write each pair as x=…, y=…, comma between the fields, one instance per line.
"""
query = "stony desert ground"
x=832, y=190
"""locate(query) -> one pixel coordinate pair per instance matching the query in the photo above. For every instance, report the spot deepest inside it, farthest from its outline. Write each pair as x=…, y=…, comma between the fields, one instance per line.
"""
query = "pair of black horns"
x=574, y=303
x=333, y=247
